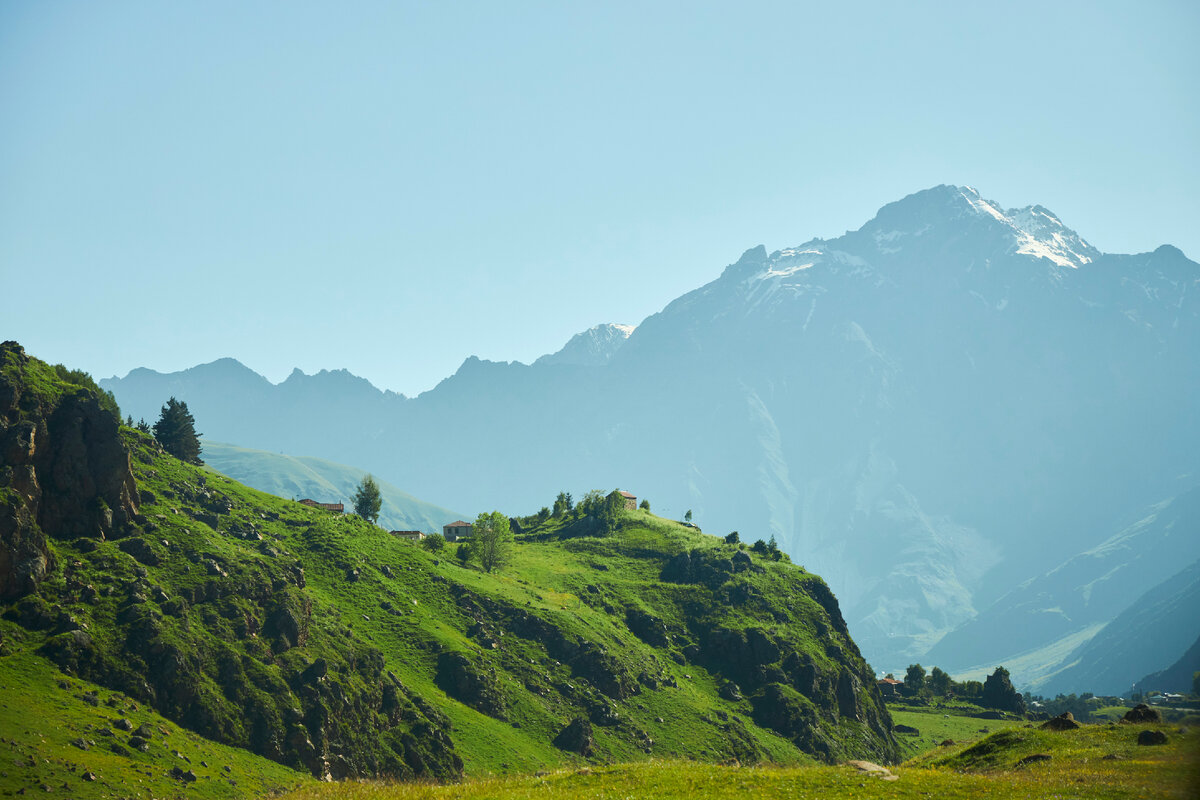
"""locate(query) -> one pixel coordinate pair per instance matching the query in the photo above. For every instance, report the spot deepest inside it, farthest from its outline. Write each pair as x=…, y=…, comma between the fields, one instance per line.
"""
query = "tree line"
x=996, y=691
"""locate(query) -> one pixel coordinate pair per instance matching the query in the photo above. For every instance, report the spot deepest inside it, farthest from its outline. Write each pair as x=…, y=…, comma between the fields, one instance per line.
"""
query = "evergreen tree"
x=733, y=538
x=644, y=505
x=562, y=504
x=688, y=517
x=176, y=432
x=368, y=500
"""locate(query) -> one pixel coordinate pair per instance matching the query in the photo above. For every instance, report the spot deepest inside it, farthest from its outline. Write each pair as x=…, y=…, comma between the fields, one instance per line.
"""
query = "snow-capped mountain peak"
x=592, y=347
x=1037, y=231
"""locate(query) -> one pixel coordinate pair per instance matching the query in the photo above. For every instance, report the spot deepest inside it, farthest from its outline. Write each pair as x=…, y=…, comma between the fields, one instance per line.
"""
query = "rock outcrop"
x=64, y=472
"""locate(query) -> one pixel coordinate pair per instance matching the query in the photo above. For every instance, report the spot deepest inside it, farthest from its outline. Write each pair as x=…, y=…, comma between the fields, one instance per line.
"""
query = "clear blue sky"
x=392, y=187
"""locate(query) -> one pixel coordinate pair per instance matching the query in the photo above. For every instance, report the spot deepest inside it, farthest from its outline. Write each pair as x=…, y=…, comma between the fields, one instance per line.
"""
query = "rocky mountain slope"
x=928, y=410
x=321, y=642
x=1152, y=633
x=1179, y=677
x=1082, y=594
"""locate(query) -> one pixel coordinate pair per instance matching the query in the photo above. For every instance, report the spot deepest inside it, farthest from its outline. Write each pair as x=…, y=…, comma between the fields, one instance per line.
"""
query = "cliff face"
x=64, y=472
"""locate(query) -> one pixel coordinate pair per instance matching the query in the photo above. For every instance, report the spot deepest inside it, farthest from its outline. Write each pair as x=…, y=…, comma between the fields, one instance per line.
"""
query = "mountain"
x=1179, y=677
x=594, y=347
x=298, y=477
x=1078, y=597
x=321, y=642
x=1154, y=631
x=929, y=410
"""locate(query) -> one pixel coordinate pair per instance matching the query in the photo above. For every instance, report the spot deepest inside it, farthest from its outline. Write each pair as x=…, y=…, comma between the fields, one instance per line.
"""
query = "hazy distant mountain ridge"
x=927, y=411
x=1092, y=587
x=299, y=477
x=1152, y=633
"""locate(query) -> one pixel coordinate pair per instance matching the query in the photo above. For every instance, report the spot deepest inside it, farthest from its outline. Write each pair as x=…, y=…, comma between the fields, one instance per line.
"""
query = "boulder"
x=873, y=770
x=1033, y=759
x=647, y=627
x=1142, y=713
x=470, y=684
x=576, y=737
x=141, y=550
x=730, y=691
x=1151, y=737
x=1063, y=722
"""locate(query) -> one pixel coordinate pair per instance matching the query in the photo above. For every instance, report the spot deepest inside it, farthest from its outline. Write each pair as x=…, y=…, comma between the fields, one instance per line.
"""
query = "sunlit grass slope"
x=64, y=737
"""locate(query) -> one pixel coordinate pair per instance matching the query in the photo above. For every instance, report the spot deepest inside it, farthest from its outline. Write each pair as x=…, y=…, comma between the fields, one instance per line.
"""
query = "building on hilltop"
x=337, y=508
x=412, y=536
x=890, y=688
x=457, y=530
x=630, y=500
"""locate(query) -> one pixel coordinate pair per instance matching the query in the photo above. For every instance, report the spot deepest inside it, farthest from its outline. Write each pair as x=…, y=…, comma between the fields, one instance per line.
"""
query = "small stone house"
x=890, y=688
x=412, y=536
x=630, y=500
x=337, y=508
x=457, y=530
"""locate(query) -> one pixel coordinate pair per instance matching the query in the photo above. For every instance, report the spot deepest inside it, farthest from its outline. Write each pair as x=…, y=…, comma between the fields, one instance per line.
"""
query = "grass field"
x=1093, y=762
x=936, y=725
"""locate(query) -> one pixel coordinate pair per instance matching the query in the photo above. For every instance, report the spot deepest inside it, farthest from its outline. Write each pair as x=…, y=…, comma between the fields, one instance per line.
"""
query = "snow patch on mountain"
x=1038, y=232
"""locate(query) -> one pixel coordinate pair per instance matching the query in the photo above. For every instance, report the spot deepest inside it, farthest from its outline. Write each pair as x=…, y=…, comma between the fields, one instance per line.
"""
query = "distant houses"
x=630, y=500
x=890, y=688
x=412, y=536
x=456, y=530
x=337, y=508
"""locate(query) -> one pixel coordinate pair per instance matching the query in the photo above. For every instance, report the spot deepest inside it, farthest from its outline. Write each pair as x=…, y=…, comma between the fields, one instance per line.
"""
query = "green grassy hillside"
x=71, y=738
x=297, y=477
x=321, y=642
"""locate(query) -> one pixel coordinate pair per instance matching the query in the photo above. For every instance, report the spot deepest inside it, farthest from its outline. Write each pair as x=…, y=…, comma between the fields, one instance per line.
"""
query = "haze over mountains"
x=928, y=411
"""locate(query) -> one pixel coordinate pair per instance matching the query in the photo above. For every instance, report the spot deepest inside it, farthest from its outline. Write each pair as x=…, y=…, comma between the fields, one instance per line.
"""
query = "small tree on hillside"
x=492, y=540
x=434, y=542
x=611, y=509
x=688, y=517
x=368, y=500
x=562, y=504
x=176, y=432
x=733, y=538
x=644, y=505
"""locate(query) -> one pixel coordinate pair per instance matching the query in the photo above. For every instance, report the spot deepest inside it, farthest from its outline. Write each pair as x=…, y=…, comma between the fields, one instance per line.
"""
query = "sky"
x=393, y=187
